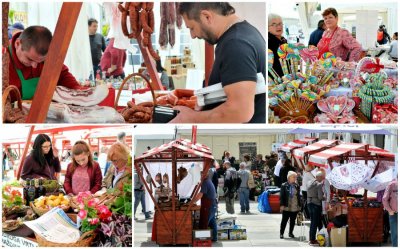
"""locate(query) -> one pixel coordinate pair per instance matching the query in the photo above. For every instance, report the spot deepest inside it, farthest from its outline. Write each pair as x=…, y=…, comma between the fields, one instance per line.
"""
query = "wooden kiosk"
x=365, y=224
x=173, y=225
x=298, y=143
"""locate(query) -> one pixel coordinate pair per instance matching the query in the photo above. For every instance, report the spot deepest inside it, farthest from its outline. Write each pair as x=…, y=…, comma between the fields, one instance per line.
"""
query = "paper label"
x=15, y=241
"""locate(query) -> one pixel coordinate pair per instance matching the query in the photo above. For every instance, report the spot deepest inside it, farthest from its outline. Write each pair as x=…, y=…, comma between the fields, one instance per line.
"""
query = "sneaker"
x=291, y=235
x=248, y=212
x=281, y=236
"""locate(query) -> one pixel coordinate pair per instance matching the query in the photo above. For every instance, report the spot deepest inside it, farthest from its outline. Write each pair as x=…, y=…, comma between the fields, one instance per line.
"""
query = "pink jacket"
x=113, y=56
x=342, y=44
x=389, y=199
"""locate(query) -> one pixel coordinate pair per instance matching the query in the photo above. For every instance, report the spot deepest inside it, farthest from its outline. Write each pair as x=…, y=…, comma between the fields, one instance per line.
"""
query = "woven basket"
x=41, y=211
x=126, y=80
x=6, y=94
x=84, y=241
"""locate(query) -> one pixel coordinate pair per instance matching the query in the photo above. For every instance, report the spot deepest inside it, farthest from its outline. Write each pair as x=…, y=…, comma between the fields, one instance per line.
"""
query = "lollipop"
x=309, y=54
x=328, y=60
x=292, y=52
x=283, y=51
x=270, y=58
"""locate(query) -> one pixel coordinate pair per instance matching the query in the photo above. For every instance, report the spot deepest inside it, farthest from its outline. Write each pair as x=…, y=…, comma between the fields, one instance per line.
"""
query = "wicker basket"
x=126, y=80
x=84, y=241
x=41, y=211
x=6, y=94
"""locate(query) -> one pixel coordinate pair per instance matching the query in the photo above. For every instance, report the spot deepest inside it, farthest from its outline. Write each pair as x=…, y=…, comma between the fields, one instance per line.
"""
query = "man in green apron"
x=28, y=51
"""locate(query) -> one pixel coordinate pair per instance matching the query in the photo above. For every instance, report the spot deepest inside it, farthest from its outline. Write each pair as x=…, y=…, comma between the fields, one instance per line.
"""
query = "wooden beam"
x=54, y=62
x=209, y=61
x=150, y=65
x=28, y=141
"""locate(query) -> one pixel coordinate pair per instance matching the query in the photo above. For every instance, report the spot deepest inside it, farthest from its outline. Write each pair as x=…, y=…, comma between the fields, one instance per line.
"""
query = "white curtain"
x=330, y=135
x=78, y=59
x=280, y=138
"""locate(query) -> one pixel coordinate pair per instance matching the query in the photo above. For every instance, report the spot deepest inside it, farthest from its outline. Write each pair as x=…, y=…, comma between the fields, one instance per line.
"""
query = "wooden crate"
x=164, y=236
x=361, y=231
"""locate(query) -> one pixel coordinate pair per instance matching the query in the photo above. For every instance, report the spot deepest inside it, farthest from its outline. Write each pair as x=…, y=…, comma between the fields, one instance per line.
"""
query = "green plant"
x=123, y=204
x=11, y=197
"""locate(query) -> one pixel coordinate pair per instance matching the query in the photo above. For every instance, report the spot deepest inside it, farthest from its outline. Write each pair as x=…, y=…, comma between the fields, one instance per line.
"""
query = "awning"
x=297, y=144
x=320, y=159
x=299, y=153
x=182, y=144
x=379, y=151
x=362, y=129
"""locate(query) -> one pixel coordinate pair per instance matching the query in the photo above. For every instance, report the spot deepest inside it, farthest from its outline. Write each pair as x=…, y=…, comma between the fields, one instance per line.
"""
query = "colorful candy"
x=282, y=51
x=328, y=60
x=270, y=58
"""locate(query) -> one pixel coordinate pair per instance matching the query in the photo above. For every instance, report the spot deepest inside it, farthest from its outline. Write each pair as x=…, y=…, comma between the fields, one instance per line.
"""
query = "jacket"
x=32, y=169
x=273, y=44
x=390, y=197
x=94, y=176
x=109, y=177
x=315, y=193
x=285, y=194
x=66, y=78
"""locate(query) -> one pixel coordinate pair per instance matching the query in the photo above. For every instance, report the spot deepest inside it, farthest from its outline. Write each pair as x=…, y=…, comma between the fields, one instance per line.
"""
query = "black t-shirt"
x=273, y=44
x=239, y=55
x=97, y=44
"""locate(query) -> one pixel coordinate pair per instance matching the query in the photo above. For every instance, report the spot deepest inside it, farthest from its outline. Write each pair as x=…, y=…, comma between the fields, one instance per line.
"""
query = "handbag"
x=250, y=182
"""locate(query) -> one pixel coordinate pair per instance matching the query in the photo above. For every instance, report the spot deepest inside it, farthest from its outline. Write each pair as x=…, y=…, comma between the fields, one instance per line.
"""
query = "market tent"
x=341, y=128
x=182, y=144
x=321, y=158
x=301, y=152
x=297, y=144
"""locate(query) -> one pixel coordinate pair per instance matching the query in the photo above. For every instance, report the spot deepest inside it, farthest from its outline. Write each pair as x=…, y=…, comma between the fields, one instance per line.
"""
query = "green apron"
x=28, y=86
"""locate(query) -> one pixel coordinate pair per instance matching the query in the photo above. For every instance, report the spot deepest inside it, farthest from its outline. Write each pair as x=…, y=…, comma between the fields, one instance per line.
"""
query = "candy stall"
x=329, y=90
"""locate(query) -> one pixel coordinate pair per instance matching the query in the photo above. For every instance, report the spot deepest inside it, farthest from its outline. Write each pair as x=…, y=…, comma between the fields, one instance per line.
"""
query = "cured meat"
x=163, y=37
x=62, y=113
x=88, y=97
x=171, y=24
x=178, y=16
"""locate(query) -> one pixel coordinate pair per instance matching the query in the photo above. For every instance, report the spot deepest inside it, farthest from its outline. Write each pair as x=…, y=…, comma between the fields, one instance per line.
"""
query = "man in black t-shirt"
x=240, y=54
x=97, y=45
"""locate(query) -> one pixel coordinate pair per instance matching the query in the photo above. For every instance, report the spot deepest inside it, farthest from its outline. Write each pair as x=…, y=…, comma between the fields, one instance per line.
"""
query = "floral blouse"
x=343, y=45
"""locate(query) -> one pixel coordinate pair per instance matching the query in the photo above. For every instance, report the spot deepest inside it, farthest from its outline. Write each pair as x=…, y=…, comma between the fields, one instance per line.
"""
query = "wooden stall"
x=365, y=224
x=298, y=143
x=173, y=224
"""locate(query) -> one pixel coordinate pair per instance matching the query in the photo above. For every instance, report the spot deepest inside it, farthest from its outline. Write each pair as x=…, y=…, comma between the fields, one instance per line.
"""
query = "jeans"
x=285, y=217
x=244, y=199
x=140, y=197
x=315, y=215
x=393, y=229
x=212, y=222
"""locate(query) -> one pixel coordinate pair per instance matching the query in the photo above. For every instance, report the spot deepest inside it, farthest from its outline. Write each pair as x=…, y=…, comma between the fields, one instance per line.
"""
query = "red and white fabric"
x=379, y=151
x=320, y=159
x=299, y=153
x=182, y=144
x=350, y=176
x=297, y=144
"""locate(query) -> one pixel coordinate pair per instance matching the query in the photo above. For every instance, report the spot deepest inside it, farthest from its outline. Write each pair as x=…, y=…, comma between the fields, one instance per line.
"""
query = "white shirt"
x=117, y=176
x=307, y=178
x=278, y=167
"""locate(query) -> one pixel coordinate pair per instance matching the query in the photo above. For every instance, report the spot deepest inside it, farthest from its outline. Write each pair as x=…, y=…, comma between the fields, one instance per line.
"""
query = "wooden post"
x=151, y=67
x=54, y=62
x=209, y=61
x=28, y=141
x=174, y=190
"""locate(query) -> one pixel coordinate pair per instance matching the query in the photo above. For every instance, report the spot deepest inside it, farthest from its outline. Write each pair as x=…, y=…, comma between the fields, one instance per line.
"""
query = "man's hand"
x=391, y=213
x=281, y=209
x=185, y=115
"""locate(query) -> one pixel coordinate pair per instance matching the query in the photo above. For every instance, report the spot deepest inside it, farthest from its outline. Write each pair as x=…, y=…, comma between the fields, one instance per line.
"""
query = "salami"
x=178, y=16
x=171, y=23
x=163, y=37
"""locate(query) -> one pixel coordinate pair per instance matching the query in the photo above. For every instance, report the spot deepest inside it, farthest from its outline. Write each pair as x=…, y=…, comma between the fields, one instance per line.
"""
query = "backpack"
x=380, y=36
x=233, y=183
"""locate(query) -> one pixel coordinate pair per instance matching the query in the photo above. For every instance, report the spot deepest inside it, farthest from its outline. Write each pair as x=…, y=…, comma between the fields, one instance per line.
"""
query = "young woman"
x=83, y=173
x=41, y=162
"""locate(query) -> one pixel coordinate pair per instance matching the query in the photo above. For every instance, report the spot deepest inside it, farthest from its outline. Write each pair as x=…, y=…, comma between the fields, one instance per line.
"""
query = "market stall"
x=38, y=212
x=298, y=143
x=301, y=155
x=328, y=90
x=173, y=222
x=352, y=166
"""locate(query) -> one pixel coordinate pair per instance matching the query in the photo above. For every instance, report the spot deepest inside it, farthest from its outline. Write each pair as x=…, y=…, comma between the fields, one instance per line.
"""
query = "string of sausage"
x=141, y=19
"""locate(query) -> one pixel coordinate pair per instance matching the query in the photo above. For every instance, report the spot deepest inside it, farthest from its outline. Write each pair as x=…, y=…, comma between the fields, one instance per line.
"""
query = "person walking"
x=230, y=186
x=289, y=203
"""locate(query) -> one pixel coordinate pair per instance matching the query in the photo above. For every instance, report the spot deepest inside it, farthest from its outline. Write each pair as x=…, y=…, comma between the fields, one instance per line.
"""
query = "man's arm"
x=68, y=80
x=238, y=108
